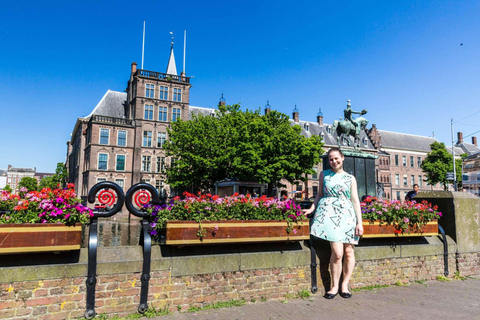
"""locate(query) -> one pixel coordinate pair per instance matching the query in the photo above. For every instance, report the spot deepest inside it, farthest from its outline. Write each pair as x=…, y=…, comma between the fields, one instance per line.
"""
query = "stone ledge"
x=206, y=259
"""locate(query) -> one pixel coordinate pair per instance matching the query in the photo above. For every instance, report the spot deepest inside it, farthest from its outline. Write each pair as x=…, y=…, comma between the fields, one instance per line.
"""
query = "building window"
x=412, y=180
x=315, y=191
x=176, y=114
x=162, y=113
x=177, y=94
x=398, y=195
x=163, y=93
x=405, y=182
x=146, y=161
x=419, y=162
x=160, y=164
x=161, y=137
x=420, y=181
x=412, y=163
x=120, y=162
x=147, y=138
x=104, y=135
x=101, y=180
x=102, y=161
x=144, y=181
x=306, y=127
x=329, y=130
x=396, y=160
x=121, y=183
x=122, y=138
x=148, y=112
x=314, y=175
x=150, y=90
x=159, y=185
x=397, y=179
x=404, y=161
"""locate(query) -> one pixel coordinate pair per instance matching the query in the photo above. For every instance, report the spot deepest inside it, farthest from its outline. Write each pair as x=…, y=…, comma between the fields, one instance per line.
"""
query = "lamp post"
x=453, y=157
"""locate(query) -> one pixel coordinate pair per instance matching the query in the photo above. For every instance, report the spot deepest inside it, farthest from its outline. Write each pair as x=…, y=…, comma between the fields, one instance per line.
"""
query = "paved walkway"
x=455, y=299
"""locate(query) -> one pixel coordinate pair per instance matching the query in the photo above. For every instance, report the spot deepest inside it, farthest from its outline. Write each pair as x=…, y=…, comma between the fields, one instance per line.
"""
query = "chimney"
x=268, y=108
x=474, y=141
x=460, y=137
x=134, y=67
x=320, y=117
x=295, y=114
x=221, y=102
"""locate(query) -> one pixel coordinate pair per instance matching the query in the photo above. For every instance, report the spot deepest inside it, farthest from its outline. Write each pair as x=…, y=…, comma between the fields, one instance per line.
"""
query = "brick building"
x=122, y=139
x=399, y=162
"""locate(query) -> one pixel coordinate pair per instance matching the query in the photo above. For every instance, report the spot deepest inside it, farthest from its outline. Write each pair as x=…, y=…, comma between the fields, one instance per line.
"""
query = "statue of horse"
x=345, y=127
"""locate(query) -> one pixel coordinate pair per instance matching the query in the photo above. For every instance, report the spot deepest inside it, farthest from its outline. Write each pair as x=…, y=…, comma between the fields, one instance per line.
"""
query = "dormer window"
x=306, y=126
x=365, y=142
x=329, y=129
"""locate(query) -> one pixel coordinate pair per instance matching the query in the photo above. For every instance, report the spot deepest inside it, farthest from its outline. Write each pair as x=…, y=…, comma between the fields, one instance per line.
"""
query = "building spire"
x=171, y=67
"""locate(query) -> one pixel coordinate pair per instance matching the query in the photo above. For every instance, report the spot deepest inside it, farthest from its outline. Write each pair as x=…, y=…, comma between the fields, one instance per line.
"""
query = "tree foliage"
x=239, y=144
x=438, y=162
x=28, y=182
x=59, y=179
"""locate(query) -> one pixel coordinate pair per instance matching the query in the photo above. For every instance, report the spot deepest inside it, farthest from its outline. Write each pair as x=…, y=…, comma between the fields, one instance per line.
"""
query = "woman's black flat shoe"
x=329, y=295
x=345, y=295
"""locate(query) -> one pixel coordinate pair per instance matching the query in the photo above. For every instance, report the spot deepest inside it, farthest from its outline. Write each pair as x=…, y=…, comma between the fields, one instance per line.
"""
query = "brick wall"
x=186, y=277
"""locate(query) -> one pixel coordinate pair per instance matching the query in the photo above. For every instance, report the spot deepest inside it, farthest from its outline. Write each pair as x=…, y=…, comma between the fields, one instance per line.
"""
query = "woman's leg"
x=336, y=265
x=348, y=265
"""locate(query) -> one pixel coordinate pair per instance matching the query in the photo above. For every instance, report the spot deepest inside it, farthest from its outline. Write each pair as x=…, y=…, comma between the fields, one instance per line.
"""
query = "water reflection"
x=114, y=233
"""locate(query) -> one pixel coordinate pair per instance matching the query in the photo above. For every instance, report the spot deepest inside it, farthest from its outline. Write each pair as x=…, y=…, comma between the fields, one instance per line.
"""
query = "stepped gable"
x=111, y=105
x=396, y=140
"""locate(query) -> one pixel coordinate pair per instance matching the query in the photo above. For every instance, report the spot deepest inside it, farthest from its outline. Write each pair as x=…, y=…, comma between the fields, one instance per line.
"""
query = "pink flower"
x=294, y=231
x=406, y=220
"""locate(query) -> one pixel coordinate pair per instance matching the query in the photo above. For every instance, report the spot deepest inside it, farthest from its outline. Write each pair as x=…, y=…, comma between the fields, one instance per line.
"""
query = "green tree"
x=8, y=188
x=236, y=144
x=29, y=183
x=58, y=179
x=438, y=162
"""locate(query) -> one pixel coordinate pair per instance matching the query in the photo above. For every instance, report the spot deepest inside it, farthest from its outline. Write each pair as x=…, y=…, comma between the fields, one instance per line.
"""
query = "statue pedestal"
x=362, y=166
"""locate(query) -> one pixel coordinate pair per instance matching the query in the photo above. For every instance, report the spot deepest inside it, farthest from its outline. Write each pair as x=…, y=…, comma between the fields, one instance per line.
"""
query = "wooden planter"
x=32, y=237
x=185, y=232
x=375, y=230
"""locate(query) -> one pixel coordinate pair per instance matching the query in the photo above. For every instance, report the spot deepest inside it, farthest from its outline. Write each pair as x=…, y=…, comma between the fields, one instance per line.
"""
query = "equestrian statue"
x=349, y=126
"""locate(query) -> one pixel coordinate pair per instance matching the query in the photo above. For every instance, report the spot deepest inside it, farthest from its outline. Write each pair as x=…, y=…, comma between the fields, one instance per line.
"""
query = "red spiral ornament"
x=107, y=197
x=142, y=197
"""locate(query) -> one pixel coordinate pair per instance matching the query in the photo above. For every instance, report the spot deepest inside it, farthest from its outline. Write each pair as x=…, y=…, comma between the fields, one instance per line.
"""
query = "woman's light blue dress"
x=335, y=218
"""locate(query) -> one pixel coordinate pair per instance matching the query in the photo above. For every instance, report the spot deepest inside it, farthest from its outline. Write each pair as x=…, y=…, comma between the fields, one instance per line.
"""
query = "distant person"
x=411, y=194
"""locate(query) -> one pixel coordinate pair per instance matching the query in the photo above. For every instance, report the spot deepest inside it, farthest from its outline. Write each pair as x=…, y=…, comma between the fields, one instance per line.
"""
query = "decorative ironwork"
x=109, y=192
x=141, y=197
x=106, y=197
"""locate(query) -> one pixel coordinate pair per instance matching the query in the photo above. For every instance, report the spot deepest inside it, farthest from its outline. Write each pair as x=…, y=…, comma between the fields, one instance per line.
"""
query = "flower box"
x=31, y=237
x=231, y=231
x=375, y=230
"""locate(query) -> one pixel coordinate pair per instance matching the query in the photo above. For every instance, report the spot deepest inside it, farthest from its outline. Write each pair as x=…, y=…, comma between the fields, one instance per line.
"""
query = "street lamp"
x=453, y=157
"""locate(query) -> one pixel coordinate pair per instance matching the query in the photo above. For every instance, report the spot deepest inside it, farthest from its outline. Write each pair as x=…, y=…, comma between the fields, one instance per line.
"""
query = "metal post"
x=453, y=156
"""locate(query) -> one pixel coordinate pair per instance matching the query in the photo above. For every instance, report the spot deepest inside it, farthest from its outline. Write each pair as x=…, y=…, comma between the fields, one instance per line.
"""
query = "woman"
x=338, y=219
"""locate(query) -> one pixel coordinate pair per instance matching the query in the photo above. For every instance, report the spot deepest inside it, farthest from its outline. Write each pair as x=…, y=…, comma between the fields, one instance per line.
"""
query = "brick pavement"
x=455, y=299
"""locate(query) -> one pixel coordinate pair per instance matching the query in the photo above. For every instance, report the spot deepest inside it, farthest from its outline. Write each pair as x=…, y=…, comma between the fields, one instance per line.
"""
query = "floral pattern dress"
x=335, y=218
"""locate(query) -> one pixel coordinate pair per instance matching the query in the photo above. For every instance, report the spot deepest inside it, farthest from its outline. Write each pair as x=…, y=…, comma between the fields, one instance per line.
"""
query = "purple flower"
x=406, y=220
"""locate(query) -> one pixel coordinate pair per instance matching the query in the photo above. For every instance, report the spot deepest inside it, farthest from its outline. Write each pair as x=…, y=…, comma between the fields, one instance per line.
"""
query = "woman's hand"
x=308, y=212
x=359, y=229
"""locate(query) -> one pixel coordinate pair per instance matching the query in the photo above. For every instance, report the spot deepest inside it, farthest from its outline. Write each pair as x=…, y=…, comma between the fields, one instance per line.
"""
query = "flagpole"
x=184, y=49
x=143, y=44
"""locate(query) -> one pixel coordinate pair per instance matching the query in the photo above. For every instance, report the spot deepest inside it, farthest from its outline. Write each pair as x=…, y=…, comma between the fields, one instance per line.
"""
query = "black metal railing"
x=111, y=120
x=162, y=76
x=111, y=197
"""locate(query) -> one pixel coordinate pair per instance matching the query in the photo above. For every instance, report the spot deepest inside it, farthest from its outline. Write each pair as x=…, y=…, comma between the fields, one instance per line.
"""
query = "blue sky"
x=400, y=60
